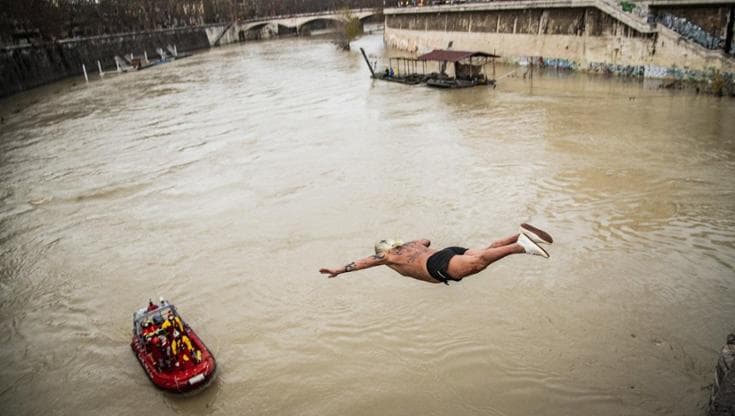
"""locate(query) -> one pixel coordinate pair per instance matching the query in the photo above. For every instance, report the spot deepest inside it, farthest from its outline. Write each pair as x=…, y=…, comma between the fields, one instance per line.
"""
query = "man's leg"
x=495, y=244
x=468, y=264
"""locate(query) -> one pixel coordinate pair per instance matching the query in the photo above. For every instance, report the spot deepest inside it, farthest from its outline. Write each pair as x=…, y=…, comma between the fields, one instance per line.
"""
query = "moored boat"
x=469, y=69
x=171, y=353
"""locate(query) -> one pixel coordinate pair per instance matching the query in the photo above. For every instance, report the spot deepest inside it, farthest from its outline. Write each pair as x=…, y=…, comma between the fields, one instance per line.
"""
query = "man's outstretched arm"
x=367, y=262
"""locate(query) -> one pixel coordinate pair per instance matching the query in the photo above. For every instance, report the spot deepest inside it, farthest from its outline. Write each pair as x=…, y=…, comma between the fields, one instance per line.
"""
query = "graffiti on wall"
x=691, y=31
x=654, y=71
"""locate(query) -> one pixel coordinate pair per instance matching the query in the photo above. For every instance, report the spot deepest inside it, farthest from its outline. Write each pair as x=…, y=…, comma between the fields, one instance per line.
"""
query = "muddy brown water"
x=226, y=180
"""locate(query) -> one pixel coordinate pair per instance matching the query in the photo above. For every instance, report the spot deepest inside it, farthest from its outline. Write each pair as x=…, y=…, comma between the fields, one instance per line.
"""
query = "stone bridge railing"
x=371, y=11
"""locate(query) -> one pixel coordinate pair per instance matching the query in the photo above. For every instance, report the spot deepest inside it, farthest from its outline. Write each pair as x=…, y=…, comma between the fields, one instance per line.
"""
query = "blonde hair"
x=385, y=245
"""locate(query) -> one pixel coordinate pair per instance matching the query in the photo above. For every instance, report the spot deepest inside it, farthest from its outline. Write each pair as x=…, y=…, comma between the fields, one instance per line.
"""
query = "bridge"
x=295, y=23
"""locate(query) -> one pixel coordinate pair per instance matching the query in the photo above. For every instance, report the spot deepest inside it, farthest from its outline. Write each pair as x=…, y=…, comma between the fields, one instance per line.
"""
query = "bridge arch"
x=254, y=26
x=370, y=17
x=319, y=23
x=252, y=31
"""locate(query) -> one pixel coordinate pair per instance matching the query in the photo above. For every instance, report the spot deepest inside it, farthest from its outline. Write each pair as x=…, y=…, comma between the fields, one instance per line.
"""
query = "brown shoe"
x=536, y=235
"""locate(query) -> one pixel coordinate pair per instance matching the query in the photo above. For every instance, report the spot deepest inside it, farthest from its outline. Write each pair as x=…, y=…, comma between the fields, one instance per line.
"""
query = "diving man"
x=415, y=259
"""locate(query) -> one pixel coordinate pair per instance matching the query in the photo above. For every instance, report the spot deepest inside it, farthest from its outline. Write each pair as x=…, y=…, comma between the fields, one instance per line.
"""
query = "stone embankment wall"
x=24, y=67
x=583, y=38
x=722, y=400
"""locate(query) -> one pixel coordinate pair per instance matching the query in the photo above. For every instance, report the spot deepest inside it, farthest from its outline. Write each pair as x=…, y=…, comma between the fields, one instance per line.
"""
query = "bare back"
x=410, y=258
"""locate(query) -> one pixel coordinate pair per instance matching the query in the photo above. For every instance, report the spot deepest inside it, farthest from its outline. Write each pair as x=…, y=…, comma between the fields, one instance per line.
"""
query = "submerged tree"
x=351, y=29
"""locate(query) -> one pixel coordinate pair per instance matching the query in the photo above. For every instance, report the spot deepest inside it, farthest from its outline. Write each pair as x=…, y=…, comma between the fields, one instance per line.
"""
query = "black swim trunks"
x=438, y=262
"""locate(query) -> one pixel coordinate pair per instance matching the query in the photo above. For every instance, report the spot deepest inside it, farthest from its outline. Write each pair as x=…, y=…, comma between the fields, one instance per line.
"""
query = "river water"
x=225, y=181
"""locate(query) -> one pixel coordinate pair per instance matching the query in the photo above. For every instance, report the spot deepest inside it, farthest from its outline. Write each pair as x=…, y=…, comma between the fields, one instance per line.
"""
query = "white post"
x=84, y=69
x=99, y=66
x=176, y=53
x=117, y=64
x=145, y=54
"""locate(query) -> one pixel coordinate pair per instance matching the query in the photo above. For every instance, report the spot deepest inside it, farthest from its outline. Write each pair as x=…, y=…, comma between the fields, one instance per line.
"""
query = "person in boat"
x=149, y=330
x=152, y=326
x=183, y=350
x=157, y=351
x=172, y=323
x=415, y=259
x=151, y=306
x=167, y=356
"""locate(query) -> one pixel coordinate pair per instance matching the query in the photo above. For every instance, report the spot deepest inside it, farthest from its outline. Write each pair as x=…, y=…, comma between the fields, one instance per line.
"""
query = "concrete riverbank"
x=28, y=66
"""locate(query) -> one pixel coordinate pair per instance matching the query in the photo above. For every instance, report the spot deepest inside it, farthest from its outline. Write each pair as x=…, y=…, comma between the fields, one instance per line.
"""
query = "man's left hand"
x=330, y=272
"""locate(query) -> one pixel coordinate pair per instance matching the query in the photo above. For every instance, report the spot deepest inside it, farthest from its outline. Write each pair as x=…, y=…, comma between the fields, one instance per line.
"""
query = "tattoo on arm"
x=380, y=256
x=350, y=267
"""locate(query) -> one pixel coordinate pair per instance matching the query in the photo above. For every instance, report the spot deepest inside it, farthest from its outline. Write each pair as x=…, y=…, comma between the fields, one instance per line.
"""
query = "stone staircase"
x=631, y=19
x=700, y=42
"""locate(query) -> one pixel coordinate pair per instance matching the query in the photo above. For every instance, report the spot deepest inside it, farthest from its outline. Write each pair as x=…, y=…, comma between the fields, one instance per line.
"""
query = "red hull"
x=178, y=380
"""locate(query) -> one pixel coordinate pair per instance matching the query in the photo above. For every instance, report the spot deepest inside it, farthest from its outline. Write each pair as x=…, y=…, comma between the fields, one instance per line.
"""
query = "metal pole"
x=84, y=69
x=372, y=72
x=117, y=64
x=99, y=66
x=531, y=63
x=145, y=54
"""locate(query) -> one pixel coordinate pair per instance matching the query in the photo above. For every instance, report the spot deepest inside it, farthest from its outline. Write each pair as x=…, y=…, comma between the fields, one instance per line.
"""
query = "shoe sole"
x=539, y=234
x=545, y=255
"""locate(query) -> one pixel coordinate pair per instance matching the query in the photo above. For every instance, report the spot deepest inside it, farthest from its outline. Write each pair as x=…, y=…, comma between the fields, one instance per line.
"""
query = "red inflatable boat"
x=171, y=353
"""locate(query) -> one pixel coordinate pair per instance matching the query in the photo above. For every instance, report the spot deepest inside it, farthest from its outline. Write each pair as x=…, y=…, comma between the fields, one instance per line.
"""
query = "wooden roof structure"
x=446, y=55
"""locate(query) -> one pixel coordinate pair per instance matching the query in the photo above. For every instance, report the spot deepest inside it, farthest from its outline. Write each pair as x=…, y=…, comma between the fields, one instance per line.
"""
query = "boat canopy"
x=445, y=55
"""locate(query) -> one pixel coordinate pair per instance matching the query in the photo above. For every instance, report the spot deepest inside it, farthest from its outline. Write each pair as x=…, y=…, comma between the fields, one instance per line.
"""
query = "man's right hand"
x=330, y=272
